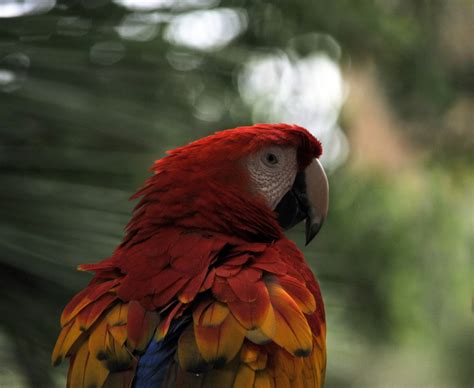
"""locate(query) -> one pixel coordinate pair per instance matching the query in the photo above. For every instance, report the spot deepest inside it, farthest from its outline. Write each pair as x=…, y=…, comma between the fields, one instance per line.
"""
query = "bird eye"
x=271, y=159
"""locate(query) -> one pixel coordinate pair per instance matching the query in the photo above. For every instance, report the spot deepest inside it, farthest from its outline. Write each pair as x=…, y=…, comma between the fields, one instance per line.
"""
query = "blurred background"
x=93, y=91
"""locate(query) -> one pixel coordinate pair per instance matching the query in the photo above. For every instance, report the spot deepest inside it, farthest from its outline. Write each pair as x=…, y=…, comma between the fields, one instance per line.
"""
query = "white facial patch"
x=273, y=171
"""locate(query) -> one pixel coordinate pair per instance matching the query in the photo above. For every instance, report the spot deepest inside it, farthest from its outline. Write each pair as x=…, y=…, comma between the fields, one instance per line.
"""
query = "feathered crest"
x=171, y=195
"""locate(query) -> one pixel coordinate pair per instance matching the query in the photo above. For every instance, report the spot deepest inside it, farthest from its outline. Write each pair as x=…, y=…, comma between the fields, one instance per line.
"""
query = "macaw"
x=205, y=290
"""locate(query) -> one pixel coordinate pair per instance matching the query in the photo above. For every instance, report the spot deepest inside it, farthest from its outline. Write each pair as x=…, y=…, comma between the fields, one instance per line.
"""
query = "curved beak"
x=308, y=199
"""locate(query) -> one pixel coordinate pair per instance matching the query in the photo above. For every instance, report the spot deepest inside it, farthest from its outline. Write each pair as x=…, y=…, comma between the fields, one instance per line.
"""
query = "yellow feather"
x=282, y=381
x=292, y=330
x=214, y=315
x=261, y=362
x=118, y=315
x=272, y=382
x=287, y=364
x=95, y=373
x=245, y=377
x=77, y=369
x=266, y=331
x=300, y=294
x=298, y=382
x=119, y=333
x=220, y=343
x=249, y=353
x=189, y=357
x=98, y=340
x=262, y=379
x=67, y=338
x=199, y=310
x=118, y=356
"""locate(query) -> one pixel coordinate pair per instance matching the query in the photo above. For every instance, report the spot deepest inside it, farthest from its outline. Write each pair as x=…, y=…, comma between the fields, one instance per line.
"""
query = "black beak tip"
x=312, y=229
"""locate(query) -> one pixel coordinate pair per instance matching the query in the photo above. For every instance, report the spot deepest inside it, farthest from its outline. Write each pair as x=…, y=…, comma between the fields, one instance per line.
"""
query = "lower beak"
x=308, y=199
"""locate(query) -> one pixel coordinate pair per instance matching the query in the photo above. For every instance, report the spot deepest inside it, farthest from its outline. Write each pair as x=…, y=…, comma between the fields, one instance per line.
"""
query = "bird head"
x=253, y=182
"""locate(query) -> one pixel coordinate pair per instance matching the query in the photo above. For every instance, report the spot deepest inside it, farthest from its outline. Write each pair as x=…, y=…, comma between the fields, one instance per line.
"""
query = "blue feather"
x=153, y=364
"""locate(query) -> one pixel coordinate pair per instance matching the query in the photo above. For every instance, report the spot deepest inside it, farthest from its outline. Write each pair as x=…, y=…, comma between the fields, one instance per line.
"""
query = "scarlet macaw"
x=205, y=290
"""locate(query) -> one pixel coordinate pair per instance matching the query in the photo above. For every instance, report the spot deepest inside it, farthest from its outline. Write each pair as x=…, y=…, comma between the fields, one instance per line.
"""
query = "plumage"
x=70, y=333
x=251, y=314
x=220, y=344
x=211, y=314
x=245, y=376
x=292, y=330
x=205, y=290
x=299, y=293
x=262, y=379
x=141, y=325
x=89, y=314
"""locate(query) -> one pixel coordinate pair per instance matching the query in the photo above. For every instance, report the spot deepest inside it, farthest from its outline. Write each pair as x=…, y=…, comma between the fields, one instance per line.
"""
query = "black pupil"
x=272, y=159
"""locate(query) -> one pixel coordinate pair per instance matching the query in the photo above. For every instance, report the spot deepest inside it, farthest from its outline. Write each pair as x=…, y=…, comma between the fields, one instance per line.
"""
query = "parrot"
x=205, y=289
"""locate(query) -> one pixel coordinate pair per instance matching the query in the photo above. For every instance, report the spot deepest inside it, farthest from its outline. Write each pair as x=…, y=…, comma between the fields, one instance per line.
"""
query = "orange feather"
x=262, y=379
x=67, y=338
x=300, y=294
x=245, y=377
x=85, y=370
x=220, y=344
x=119, y=333
x=98, y=341
x=249, y=352
x=292, y=330
x=251, y=315
x=214, y=315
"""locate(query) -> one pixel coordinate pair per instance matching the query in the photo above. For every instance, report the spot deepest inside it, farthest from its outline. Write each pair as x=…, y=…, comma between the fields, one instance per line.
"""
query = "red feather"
x=200, y=239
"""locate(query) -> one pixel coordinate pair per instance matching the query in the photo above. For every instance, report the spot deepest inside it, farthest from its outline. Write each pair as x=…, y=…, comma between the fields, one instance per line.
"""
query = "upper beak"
x=308, y=199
